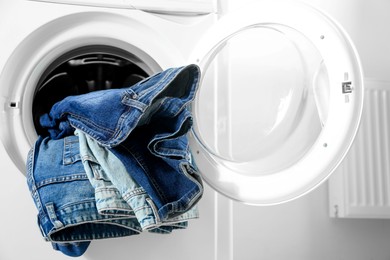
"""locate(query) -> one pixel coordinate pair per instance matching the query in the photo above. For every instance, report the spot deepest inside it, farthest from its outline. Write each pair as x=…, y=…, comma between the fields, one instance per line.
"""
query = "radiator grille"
x=360, y=187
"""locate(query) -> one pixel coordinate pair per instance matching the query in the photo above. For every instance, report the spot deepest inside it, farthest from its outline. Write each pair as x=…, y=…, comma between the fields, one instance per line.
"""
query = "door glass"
x=263, y=100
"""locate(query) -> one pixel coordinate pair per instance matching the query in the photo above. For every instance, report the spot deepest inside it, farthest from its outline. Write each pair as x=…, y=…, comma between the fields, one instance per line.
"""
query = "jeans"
x=145, y=127
x=65, y=199
x=115, y=187
x=158, y=150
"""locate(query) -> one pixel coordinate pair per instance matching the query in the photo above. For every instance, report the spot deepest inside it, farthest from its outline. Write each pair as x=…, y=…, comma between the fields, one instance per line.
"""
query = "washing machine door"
x=279, y=102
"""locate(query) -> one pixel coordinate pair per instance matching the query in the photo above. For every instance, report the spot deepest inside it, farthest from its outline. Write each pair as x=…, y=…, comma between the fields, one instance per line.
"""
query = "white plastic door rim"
x=279, y=102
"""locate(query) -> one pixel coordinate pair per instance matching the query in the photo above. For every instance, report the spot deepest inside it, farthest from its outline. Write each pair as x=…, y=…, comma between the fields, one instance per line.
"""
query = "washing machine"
x=277, y=109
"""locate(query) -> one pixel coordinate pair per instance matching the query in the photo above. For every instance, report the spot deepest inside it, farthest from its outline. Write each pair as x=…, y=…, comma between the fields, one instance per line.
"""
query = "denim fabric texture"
x=65, y=199
x=107, y=195
x=124, y=109
x=160, y=152
x=127, y=169
x=109, y=177
x=145, y=126
x=72, y=249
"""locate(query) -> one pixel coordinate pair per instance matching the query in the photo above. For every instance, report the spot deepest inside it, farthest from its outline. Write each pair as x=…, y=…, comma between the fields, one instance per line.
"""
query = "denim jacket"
x=145, y=126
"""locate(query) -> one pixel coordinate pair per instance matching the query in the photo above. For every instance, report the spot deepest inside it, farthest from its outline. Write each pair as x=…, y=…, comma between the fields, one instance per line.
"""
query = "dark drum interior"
x=84, y=70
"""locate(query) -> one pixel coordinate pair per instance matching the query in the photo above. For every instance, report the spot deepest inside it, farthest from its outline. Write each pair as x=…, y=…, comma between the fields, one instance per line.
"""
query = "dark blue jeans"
x=67, y=212
x=65, y=199
x=145, y=126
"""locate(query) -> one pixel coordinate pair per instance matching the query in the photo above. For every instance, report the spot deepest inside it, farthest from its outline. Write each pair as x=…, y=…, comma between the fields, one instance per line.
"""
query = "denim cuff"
x=169, y=228
x=81, y=222
x=147, y=214
x=110, y=202
x=143, y=208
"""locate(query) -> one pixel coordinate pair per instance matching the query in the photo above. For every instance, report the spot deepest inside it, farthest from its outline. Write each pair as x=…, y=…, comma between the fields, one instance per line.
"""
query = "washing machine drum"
x=277, y=108
x=279, y=103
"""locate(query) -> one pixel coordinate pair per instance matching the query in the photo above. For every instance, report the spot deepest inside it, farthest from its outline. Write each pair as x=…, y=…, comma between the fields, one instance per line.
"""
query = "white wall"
x=302, y=230
x=367, y=23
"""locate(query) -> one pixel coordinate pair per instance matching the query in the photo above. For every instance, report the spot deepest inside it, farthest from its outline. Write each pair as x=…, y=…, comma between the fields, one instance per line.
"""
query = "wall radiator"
x=360, y=187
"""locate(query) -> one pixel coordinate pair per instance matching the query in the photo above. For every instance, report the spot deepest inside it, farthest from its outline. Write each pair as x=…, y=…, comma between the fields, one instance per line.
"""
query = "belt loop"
x=52, y=215
x=155, y=211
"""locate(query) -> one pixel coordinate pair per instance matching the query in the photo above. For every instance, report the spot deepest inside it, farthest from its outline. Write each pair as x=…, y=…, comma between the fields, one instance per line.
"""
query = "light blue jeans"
x=115, y=189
